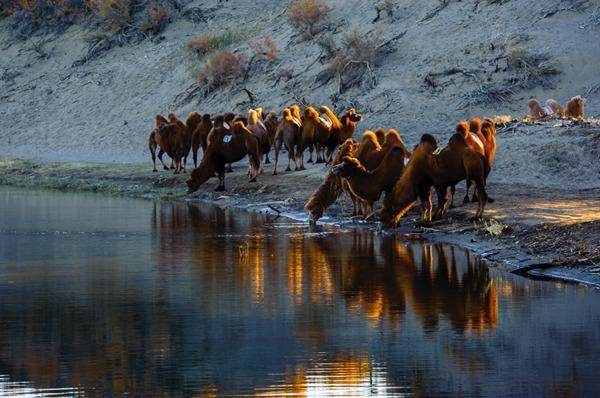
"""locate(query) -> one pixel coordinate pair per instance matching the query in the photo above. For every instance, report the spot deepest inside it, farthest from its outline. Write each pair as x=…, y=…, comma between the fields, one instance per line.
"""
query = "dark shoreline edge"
x=135, y=181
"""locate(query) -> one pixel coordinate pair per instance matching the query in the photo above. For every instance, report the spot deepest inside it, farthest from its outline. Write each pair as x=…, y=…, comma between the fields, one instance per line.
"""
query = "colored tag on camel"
x=438, y=151
x=226, y=138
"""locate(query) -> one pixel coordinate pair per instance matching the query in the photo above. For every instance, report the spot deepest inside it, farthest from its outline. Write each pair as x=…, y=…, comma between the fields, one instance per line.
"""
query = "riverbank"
x=538, y=232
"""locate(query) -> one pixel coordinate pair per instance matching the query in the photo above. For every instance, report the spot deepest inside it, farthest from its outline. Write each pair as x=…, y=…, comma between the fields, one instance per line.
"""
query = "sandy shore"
x=539, y=233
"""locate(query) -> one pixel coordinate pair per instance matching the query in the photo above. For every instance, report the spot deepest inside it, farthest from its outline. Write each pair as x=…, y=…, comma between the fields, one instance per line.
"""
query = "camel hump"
x=325, y=120
x=475, y=125
x=475, y=138
x=206, y=117
x=429, y=139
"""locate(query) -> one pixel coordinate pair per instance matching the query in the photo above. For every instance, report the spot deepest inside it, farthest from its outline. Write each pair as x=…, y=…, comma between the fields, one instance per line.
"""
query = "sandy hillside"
x=440, y=63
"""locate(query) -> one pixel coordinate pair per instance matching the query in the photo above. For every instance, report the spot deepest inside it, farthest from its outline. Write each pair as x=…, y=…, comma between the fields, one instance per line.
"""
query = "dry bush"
x=531, y=69
x=213, y=40
x=114, y=13
x=307, y=14
x=155, y=18
x=222, y=67
x=266, y=49
x=386, y=5
x=361, y=53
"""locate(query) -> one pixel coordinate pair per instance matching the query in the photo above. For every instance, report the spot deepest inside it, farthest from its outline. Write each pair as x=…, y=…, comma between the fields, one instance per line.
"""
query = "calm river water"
x=103, y=296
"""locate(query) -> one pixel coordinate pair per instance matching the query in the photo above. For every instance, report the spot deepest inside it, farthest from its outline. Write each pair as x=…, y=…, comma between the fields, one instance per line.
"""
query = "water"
x=104, y=296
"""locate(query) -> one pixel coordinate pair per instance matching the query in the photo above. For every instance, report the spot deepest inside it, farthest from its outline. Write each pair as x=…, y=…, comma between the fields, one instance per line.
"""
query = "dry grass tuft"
x=222, y=67
x=307, y=14
x=265, y=48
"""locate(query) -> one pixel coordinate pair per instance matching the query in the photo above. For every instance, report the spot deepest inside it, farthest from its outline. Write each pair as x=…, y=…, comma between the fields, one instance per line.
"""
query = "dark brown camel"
x=225, y=147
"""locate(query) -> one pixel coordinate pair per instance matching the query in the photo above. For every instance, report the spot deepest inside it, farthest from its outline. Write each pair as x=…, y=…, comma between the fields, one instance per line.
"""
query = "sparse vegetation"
x=265, y=48
x=532, y=69
x=360, y=54
x=222, y=67
x=212, y=41
x=306, y=15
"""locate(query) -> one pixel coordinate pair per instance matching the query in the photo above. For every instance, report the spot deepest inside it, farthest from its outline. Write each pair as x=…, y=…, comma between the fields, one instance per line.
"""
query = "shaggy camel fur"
x=368, y=185
x=472, y=134
x=535, y=110
x=225, y=146
x=169, y=138
x=331, y=187
x=440, y=169
x=318, y=130
x=152, y=144
x=575, y=109
x=288, y=134
x=200, y=136
x=380, y=134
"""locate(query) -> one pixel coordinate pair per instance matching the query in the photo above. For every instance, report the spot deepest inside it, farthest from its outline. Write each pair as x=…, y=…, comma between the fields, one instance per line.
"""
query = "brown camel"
x=191, y=123
x=380, y=134
x=440, y=168
x=258, y=128
x=271, y=122
x=555, y=107
x=331, y=187
x=340, y=130
x=368, y=185
x=288, y=134
x=317, y=133
x=200, y=136
x=169, y=138
x=225, y=147
x=152, y=144
x=575, y=108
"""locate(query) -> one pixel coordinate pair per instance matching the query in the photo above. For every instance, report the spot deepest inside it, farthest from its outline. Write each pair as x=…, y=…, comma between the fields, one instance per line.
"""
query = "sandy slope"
x=103, y=110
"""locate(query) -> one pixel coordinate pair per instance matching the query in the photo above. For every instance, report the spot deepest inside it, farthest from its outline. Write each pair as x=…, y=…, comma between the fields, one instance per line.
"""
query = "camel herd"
x=366, y=170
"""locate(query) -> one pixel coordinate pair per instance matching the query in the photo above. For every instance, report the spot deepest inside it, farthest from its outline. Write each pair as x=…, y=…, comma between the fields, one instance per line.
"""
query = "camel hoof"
x=154, y=171
x=490, y=199
x=275, y=173
x=165, y=168
x=288, y=169
x=466, y=201
x=253, y=179
x=267, y=161
x=309, y=161
x=302, y=168
x=220, y=189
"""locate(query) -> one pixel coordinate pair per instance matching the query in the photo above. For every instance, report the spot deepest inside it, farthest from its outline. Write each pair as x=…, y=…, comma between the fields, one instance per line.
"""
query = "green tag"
x=438, y=151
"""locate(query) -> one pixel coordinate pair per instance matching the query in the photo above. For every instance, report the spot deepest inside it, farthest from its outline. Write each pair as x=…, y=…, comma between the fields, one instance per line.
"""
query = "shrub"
x=306, y=14
x=531, y=69
x=212, y=41
x=222, y=67
x=114, y=13
x=155, y=19
x=361, y=53
x=266, y=49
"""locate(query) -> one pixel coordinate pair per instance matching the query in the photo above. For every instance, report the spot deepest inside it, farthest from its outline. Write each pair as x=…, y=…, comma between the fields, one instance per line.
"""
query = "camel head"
x=347, y=148
x=315, y=210
x=475, y=125
x=172, y=117
x=351, y=116
x=200, y=175
x=488, y=128
x=427, y=143
x=347, y=167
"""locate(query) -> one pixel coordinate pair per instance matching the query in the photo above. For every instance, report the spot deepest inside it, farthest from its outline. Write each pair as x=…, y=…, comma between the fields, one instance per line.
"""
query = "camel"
x=317, y=132
x=271, y=122
x=430, y=166
x=340, y=130
x=555, y=107
x=225, y=147
x=200, y=136
x=258, y=128
x=535, y=110
x=368, y=185
x=169, y=138
x=575, y=108
x=152, y=144
x=288, y=134
x=331, y=187
x=191, y=123
x=472, y=134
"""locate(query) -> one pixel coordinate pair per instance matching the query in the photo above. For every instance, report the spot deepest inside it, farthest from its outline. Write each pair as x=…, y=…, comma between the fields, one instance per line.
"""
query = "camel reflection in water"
x=378, y=277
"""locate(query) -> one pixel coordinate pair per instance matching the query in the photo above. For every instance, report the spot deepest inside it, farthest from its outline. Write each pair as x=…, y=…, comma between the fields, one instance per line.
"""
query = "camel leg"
x=466, y=199
x=452, y=192
x=319, y=150
x=229, y=169
x=300, y=159
x=221, y=173
x=277, y=148
x=311, y=148
x=424, y=194
x=476, y=198
x=442, y=196
x=160, y=155
x=254, y=162
x=195, y=156
x=152, y=148
x=290, y=158
x=267, y=161
x=482, y=198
